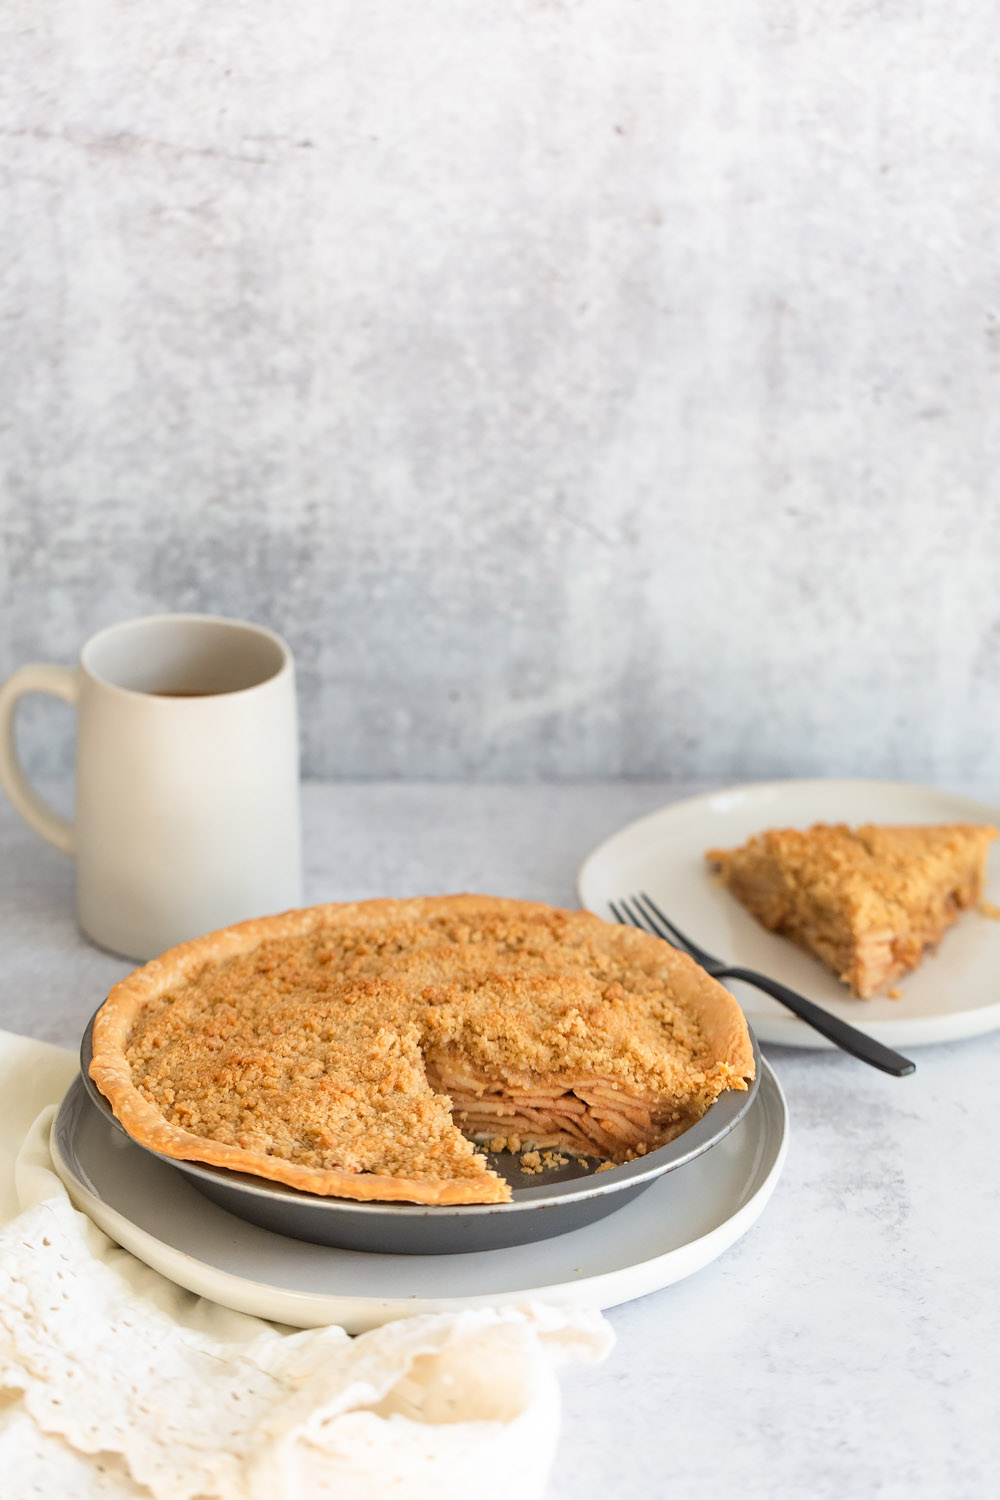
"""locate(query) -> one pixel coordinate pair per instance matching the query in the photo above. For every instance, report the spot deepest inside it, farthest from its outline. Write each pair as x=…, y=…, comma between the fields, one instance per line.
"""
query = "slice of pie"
x=360, y=1050
x=869, y=902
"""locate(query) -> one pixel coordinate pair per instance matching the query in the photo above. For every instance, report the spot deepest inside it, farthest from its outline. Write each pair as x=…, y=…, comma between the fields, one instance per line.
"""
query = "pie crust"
x=344, y=1049
x=869, y=902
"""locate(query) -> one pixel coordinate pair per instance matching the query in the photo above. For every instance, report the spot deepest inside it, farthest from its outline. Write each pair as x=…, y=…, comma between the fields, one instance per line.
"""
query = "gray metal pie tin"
x=552, y=1202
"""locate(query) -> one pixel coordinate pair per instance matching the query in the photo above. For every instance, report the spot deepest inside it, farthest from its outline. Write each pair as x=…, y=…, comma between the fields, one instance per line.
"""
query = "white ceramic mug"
x=187, y=786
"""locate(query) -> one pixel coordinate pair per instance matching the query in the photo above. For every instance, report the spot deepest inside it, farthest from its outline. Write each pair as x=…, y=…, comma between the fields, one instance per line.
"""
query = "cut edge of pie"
x=869, y=902
x=450, y=1071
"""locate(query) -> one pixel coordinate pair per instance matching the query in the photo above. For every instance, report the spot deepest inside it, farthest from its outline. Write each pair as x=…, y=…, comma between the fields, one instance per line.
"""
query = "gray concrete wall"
x=594, y=388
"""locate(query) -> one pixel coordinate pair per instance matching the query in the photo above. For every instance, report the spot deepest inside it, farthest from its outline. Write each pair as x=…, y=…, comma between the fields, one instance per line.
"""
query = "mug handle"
x=64, y=683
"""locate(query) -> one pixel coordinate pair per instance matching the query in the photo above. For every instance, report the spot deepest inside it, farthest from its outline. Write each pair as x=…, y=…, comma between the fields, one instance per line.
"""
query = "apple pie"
x=362, y=1050
x=868, y=902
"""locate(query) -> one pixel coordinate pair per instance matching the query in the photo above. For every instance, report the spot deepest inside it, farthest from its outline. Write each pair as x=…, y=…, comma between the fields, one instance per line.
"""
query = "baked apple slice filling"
x=593, y=1117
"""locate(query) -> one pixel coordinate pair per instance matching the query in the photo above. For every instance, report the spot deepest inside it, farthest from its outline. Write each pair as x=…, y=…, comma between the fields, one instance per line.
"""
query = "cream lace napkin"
x=117, y=1385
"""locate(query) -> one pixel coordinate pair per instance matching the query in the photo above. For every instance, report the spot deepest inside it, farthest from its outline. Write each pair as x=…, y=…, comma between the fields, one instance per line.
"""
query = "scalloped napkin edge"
x=117, y=1385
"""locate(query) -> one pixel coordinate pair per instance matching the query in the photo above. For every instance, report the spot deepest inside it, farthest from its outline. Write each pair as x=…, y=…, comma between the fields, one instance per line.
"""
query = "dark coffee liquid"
x=167, y=693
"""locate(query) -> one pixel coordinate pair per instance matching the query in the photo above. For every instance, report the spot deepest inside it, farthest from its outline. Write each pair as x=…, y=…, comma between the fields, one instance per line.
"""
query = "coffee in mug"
x=187, y=788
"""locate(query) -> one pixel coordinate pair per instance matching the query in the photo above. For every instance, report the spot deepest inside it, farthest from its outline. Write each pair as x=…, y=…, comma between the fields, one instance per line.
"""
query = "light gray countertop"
x=846, y=1348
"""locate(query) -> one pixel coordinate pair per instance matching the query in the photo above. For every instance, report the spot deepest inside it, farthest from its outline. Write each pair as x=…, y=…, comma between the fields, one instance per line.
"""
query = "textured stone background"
x=596, y=388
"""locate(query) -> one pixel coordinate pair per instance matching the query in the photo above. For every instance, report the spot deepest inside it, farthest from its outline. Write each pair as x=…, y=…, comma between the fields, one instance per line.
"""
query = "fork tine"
x=660, y=923
x=631, y=913
x=637, y=916
x=659, y=926
x=623, y=913
x=628, y=915
x=664, y=928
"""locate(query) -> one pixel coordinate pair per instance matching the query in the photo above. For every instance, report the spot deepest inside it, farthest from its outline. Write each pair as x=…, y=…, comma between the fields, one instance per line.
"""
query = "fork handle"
x=847, y=1037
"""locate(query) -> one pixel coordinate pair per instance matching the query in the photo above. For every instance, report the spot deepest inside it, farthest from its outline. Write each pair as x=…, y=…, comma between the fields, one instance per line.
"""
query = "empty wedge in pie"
x=869, y=902
x=364, y=1050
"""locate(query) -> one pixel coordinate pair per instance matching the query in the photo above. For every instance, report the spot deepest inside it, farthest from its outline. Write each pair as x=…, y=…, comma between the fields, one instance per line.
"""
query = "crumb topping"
x=873, y=875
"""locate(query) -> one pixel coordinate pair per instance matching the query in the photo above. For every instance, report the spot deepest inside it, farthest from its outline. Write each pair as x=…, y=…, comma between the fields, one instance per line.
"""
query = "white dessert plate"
x=956, y=991
x=675, y=1227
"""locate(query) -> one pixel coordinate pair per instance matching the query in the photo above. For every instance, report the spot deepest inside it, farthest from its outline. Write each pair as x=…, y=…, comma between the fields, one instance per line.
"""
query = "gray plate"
x=549, y=1203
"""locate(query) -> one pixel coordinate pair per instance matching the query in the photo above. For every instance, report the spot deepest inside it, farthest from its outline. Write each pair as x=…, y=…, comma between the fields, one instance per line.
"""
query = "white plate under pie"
x=956, y=991
x=675, y=1227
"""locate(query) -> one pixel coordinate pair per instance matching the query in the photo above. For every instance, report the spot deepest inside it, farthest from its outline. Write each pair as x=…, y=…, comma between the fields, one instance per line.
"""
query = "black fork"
x=642, y=911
